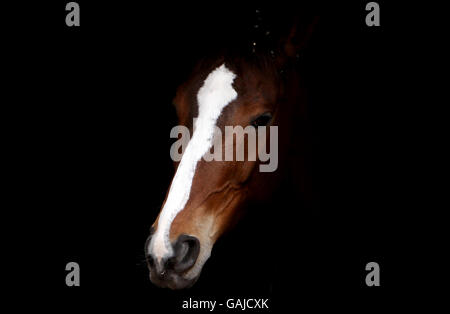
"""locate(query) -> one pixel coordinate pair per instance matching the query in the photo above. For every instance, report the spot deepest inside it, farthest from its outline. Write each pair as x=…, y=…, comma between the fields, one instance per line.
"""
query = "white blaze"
x=215, y=94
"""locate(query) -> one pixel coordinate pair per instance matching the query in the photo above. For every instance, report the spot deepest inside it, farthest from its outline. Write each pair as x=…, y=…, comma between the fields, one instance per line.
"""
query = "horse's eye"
x=262, y=120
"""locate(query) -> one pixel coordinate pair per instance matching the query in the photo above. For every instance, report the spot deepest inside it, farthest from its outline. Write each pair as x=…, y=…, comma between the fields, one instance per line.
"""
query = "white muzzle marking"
x=215, y=94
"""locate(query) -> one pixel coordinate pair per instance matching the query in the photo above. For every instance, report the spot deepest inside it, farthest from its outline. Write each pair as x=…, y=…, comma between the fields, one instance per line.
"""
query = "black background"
x=95, y=118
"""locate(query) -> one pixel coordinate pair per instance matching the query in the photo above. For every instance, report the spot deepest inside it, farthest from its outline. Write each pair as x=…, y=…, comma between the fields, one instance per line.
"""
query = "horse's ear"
x=296, y=40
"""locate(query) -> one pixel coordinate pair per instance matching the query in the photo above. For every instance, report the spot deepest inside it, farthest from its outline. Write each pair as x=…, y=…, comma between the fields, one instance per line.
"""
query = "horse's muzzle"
x=169, y=272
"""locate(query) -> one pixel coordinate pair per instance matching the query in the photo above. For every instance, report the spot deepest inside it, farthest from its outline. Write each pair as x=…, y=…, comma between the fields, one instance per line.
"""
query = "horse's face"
x=205, y=197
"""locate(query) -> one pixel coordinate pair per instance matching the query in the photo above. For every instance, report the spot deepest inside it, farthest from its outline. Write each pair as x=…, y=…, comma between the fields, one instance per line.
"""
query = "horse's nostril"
x=150, y=261
x=170, y=263
x=186, y=251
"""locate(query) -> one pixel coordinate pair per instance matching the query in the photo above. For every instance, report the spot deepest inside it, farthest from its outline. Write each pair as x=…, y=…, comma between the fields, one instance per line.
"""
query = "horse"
x=207, y=198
